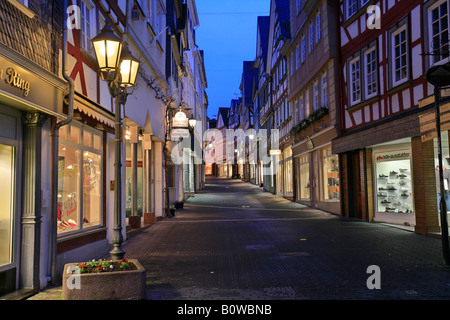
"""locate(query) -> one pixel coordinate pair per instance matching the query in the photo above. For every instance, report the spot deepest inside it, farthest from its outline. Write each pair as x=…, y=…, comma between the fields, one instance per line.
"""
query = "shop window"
x=7, y=167
x=79, y=179
x=129, y=181
x=303, y=178
x=393, y=181
x=331, y=175
x=288, y=172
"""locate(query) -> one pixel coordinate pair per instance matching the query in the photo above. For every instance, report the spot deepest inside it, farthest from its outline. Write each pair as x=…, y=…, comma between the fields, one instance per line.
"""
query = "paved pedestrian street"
x=235, y=241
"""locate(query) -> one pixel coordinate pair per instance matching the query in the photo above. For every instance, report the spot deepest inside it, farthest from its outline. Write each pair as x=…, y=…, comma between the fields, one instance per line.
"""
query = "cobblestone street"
x=235, y=241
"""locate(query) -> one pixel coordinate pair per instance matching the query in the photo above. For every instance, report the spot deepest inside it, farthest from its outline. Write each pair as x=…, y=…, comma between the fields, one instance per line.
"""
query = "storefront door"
x=354, y=187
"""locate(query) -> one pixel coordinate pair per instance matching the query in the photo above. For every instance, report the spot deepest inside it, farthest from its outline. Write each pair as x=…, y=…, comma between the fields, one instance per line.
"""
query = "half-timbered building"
x=313, y=97
x=260, y=93
x=278, y=41
x=387, y=169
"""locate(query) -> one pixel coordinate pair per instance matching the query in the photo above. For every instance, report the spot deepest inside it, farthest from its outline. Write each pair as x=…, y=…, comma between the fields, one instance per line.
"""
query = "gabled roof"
x=223, y=113
x=247, y=80
x=282, y=7
x=212, y=123
x=263, y=26
x=233, y=106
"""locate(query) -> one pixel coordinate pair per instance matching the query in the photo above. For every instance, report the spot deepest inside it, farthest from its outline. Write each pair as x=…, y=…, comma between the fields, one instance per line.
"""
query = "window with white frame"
x=87, y=24
x=370, y=63
x=311, y=36
x=324, y=90
x=299, y=6
x=307, y=109
x=292, y=62
x=288, y=108
x=318, y=26
x=438, y=23
x=399, y=56
x=297, y=56
x=301, y=107
x=24, y=2
x=316, y=95
x=296, y=111
x=303, y=49
x=355, y=80
x=351, y=7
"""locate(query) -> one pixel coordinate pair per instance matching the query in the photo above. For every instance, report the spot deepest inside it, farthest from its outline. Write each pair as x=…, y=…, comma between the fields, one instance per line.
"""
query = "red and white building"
x=387, y=170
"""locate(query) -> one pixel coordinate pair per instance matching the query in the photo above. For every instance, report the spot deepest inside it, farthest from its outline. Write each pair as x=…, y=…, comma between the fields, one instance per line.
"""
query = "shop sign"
x=428, y=123
x=180, y=133
x=180, y=120
x=22, y=83
x=428, y=126
x=14, y=79
x=275, y=152
x=393, y=156
x=430, y=135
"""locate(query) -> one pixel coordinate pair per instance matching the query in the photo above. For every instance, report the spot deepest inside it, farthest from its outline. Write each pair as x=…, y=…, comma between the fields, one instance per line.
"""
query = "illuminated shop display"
x=79, y=179
x=6, y=203
x=330, y=175
x=393, y=182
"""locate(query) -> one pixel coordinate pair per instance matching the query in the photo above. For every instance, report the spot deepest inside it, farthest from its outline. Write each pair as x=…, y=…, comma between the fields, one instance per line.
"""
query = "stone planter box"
x=134, y=222
x=149, y=218
x=120, y=285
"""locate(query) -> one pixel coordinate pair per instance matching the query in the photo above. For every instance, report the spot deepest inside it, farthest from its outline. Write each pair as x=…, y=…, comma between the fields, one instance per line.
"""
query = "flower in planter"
x=83, y=267
x=123, y=263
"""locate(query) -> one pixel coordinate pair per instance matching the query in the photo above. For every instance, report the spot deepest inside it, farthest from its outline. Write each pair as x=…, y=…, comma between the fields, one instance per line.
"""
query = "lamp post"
x=192, y=123
x=119, y=69
x=439, y=76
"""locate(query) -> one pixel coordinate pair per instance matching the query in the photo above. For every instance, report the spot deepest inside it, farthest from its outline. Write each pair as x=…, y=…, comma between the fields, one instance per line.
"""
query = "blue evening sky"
x=227, y=34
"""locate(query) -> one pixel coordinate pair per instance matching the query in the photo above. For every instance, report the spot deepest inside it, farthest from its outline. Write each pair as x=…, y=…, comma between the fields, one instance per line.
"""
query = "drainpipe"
x=55, y=144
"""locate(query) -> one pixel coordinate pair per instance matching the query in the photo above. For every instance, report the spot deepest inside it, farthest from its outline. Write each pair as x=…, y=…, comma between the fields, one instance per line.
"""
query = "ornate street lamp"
x=119, y=69
x=192, y=122
x=108, y=49
x=129, y=66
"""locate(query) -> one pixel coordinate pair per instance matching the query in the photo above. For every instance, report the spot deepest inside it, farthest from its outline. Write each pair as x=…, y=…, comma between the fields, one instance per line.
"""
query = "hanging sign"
x=179, y=133
x=275, y=152
x=180, y=120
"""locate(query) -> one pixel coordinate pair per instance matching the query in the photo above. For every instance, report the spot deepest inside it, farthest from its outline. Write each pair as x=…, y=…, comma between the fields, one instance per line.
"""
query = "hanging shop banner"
x=393, y=156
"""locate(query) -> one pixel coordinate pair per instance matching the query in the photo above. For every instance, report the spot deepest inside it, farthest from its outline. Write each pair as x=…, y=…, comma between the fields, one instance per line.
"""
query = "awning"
x=94, y=111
